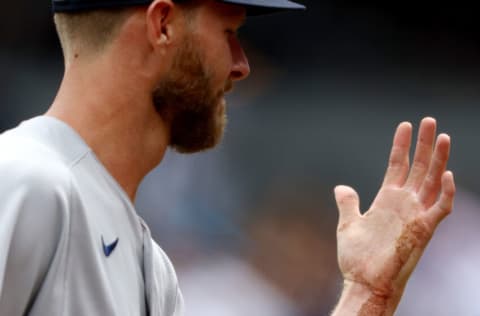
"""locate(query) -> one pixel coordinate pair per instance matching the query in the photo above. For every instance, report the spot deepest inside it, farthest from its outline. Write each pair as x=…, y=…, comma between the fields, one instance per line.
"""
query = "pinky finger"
x=444, y=204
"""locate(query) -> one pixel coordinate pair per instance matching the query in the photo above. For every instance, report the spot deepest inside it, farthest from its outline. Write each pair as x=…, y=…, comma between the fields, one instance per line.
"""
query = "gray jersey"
x=71, y=242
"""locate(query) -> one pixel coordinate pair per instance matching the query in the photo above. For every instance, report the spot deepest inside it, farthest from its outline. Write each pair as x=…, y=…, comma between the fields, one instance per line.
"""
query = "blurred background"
x=250, y=225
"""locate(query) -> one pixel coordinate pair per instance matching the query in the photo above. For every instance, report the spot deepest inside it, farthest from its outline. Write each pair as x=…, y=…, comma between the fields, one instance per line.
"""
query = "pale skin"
x=377, y=251
x=106, y=97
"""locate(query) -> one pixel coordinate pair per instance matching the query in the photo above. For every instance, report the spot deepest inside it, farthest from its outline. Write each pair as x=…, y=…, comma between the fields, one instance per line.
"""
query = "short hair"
x=89, y=31
x=93, y=30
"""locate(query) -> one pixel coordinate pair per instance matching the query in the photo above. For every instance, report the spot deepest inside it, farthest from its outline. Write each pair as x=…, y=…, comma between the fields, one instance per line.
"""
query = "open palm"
x=380, y=248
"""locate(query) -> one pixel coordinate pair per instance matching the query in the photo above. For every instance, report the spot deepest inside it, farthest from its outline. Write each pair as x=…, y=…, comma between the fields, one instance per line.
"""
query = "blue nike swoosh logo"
x=108, y=249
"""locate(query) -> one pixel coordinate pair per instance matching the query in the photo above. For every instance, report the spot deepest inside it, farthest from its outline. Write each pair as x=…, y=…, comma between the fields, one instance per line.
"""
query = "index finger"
x=398, y=163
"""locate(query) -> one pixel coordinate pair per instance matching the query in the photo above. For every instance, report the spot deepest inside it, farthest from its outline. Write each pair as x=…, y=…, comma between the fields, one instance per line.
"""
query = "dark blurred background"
x=252, y=223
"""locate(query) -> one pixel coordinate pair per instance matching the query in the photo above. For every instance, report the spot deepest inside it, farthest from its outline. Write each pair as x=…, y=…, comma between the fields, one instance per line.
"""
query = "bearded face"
x=188, y=102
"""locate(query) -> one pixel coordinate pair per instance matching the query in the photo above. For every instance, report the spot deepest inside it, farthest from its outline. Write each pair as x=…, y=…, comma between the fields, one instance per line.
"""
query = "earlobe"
x=159, y=22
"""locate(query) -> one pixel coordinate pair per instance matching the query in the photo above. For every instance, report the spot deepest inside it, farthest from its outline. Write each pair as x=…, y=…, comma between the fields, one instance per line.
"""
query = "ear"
x=159, y=22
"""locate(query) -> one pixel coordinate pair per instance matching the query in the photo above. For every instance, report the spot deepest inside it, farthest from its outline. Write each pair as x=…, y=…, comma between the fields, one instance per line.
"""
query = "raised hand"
x=378, y=250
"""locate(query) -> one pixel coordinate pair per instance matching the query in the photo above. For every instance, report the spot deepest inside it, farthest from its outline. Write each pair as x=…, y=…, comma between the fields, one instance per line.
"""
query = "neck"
x=115, y=118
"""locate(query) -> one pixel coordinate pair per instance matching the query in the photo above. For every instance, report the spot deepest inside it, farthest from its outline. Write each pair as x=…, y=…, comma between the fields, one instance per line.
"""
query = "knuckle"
x=396, y=161
x=446, y=207
x=348, y=198
x=449, y=191
x=397, y=157
x=439, y=160
x=430, y=181
x=396, y=169
x=420, y=165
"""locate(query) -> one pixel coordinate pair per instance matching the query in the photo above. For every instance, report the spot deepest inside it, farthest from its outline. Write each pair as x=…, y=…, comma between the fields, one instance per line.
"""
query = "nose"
x=240, y=66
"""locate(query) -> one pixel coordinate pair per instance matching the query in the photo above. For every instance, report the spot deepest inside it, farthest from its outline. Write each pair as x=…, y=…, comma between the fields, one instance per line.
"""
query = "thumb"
x=348, y=204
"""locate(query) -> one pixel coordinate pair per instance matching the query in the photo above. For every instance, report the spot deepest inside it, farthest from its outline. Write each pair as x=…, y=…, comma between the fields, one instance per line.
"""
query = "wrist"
x=360, y=300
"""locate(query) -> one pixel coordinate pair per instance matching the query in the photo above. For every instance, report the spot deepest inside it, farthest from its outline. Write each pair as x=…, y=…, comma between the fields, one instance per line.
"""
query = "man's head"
x=186, y=54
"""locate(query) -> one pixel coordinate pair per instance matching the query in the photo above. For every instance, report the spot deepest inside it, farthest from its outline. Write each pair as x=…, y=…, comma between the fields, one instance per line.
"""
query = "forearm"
x=358, y=300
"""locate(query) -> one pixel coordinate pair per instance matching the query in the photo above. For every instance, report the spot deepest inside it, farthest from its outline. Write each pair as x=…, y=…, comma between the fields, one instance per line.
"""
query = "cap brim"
x=254, y=7
x=260, y=7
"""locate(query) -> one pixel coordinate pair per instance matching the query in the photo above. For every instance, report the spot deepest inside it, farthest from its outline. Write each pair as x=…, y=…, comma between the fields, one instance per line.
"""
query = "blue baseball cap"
x=254, y=7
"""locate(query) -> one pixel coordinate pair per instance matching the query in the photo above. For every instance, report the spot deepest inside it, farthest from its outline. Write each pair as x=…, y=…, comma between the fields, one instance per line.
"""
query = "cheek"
x=221, y=61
